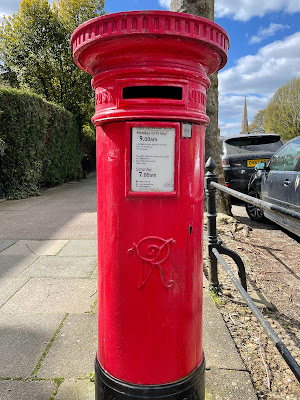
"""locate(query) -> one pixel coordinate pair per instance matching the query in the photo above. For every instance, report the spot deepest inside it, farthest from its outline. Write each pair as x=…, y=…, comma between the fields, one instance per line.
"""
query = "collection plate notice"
x=153, y=159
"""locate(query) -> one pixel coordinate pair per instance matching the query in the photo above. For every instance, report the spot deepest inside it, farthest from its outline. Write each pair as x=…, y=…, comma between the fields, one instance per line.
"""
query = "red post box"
x=150, y=74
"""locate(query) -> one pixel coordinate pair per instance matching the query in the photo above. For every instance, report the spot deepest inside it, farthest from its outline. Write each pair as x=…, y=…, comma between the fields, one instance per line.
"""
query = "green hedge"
x=41, y=144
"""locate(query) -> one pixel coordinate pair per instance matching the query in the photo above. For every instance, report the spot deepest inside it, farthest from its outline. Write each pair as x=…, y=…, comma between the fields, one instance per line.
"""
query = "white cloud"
x=229, y=128
x=265, y=72
x=231, y=111
x=264, y=33
x=232, y=106
x=243, y=10
x=165, y=3
x=257, y=77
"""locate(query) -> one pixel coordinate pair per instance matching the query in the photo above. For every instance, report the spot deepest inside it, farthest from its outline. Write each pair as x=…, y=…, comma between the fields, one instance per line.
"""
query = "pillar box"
x=150, y=75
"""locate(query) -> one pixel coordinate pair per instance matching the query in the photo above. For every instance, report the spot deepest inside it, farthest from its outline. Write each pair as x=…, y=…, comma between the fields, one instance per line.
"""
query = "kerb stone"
x=219, y=349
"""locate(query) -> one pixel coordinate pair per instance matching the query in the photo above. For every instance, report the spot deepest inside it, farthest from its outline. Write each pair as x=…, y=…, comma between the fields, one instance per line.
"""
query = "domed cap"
x=109, y=41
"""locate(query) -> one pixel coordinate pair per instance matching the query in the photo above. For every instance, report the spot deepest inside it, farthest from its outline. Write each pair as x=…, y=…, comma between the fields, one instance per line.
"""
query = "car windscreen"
x=251, y=144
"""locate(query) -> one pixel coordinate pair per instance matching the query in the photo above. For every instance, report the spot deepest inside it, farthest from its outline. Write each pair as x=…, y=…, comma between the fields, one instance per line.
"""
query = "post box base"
x=109, y=388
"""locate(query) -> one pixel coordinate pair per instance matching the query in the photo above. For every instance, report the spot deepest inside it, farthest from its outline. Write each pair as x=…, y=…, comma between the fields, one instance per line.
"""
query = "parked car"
x=240, y=154
x=278, y=182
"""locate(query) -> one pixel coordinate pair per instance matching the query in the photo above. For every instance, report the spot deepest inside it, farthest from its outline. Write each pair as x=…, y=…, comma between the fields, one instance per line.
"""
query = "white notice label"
x=153, y=159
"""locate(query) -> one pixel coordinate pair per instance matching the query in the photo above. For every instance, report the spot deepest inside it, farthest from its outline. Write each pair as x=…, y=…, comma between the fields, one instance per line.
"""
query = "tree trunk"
x=205, y=8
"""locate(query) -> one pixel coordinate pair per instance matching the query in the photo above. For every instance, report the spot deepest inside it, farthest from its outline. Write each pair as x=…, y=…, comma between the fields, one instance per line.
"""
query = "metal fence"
x=216, y=248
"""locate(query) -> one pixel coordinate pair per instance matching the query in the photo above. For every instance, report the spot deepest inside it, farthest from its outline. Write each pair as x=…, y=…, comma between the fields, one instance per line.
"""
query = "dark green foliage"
x=35, y=51
x=41, y=144
x=88, y=145
x=35, y=55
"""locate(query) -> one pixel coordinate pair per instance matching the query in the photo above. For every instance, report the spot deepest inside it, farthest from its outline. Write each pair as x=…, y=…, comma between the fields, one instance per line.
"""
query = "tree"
x=73, y=13
x=28, y=42
x=205, y=8
x=282, y=115
x=35, y=50
x=256, y=125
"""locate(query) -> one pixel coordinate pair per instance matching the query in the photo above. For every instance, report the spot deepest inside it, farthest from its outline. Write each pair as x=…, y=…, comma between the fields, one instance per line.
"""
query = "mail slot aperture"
x=152, y=92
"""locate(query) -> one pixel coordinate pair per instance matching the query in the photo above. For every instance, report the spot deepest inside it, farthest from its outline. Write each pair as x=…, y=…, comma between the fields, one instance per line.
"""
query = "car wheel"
x=254, y=212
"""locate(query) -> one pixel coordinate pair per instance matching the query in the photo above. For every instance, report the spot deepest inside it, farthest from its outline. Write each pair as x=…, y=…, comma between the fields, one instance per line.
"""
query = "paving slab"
x=18, y=249
x=72, y=389
x=219, y=348
x=95, y=273
x=9, y=286
x=23, y=340
x=83, y=226
x=37, y=247
x=12, y=266
x=23, y=204
x=65, y=212
x=229, y=385
x=4, y=244
x=61, y=267
x=50, y=295
x=76, y=341
x=30, y=390
x=79, y=248
x=61, y=224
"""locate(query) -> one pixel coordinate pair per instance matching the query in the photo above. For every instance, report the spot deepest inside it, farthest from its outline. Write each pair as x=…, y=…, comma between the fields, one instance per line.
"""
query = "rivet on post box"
x=150, y=75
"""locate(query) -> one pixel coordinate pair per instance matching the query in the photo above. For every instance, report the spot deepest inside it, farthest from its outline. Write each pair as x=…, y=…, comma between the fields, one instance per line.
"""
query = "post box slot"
x=153, y=92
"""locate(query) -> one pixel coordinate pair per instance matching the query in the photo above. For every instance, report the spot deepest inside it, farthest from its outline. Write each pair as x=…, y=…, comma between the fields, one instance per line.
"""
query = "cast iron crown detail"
x=120, y=24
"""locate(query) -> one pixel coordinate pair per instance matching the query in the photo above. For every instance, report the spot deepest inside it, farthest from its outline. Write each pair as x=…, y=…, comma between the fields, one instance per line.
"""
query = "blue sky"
x=264, y=51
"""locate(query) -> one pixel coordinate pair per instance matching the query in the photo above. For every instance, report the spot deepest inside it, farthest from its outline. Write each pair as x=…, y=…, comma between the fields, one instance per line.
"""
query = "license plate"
x=252, y=163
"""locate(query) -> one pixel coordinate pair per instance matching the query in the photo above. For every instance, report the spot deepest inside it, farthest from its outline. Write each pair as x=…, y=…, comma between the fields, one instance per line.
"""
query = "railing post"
x=211, y=176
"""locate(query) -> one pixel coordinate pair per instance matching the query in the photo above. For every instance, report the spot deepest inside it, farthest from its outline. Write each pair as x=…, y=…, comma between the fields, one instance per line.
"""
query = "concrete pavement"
x=48, y=321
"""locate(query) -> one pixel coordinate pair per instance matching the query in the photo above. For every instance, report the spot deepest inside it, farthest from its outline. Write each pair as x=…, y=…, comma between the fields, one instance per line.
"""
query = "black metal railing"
x=216, y=248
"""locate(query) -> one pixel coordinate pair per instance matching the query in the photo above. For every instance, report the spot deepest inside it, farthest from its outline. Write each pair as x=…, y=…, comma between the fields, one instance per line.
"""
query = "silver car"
x=278, y=182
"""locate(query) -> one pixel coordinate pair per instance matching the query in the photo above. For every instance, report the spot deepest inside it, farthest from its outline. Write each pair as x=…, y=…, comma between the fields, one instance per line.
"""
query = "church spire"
x=245, y=128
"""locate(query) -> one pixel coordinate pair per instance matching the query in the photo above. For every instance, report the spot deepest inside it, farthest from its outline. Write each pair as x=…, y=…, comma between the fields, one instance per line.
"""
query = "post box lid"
x=107, y=41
